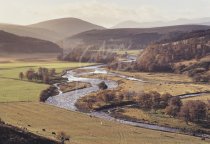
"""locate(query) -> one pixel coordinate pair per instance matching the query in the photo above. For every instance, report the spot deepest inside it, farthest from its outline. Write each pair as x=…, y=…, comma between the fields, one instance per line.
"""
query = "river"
x=68, y=100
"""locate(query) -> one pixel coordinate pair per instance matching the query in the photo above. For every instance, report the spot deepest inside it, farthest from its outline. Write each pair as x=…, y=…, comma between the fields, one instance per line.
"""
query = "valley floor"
x=44, y=119
x=162, y=83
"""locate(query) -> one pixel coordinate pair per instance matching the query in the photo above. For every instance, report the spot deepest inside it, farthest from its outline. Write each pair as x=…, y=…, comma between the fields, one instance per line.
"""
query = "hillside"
x=30, y=32
x=188, y=54
x=66, y=26
x=52, y=30
x=126, y=38
x=13, y=135
x=10, y=43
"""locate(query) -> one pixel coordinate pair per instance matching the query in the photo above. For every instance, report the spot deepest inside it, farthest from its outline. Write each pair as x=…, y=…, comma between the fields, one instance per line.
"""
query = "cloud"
x=102, y=12
x=94, y=11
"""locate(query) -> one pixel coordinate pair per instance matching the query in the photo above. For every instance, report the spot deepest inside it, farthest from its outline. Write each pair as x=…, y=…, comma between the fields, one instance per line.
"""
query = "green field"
x=12, y=89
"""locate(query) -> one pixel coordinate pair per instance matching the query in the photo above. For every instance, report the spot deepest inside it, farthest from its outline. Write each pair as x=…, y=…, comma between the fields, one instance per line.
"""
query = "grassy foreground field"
x=82, y=128
x=13, y=89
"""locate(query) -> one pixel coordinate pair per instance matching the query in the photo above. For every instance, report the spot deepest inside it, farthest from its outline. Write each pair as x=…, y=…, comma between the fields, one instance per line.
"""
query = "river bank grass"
x=157, y=118
x=178, y=85
x=82, y=128
x=13, y=89
x=205, y=98
x=174, y=84
x=72, y=86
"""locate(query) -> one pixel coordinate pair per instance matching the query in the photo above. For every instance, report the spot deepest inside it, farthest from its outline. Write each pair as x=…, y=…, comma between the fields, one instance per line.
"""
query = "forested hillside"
x=134, y=38
x=190, y=54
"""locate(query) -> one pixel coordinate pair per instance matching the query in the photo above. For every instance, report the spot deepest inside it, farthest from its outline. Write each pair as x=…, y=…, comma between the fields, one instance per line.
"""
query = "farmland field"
x=13, y=89
x=174, y=84
x=82, y=128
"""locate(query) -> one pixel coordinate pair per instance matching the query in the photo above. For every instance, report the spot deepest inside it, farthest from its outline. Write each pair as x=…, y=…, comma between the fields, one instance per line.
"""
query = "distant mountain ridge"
x=206, y=23
x=10, y=43
x=73, y=32
x=136, y=24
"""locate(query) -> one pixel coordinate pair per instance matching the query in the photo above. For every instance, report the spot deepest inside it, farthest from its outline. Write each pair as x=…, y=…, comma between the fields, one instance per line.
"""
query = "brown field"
x=204, y=98
x=163, y=83
x=160, y=82
x=82, y=128
x=158, y=77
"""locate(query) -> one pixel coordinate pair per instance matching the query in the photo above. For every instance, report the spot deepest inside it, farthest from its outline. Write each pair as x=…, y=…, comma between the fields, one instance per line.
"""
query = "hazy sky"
x=102, y=12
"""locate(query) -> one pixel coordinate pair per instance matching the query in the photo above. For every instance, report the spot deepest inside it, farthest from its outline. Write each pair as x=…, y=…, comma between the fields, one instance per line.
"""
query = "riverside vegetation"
x=192, y=112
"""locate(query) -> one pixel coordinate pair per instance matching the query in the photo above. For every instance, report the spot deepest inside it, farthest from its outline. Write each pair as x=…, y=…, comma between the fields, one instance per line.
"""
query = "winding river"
x=68, y=100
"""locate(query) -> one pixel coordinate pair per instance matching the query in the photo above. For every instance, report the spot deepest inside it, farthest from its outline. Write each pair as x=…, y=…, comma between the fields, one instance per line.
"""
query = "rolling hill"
x=126, y=38
x=10, y=43
x=66, y=26
x=30, y=32
x=181, y=54
x=52, y=30
x=14, y=135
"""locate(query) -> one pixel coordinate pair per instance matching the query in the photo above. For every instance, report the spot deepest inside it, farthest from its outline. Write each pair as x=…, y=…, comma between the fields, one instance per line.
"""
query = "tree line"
x=41, y=75
x=193, y=111
x=81, y=55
